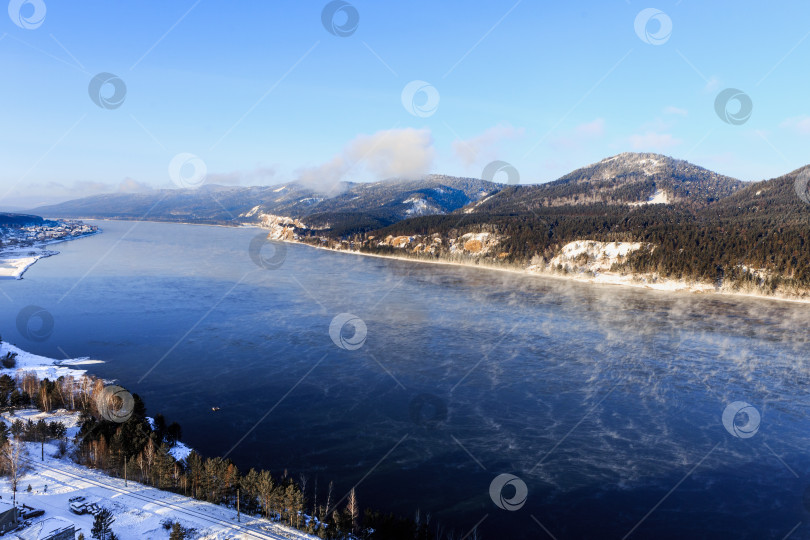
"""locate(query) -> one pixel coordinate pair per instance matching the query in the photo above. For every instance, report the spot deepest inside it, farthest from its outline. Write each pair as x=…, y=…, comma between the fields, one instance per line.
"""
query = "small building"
x=8, y=517
x=52, y=528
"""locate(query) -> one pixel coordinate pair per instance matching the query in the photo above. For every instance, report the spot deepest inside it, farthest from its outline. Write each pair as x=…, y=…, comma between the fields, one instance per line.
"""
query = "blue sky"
x=262, y=93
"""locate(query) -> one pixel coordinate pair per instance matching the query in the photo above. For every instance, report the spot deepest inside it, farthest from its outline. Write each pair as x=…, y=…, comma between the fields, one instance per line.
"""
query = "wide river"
x=606, y=403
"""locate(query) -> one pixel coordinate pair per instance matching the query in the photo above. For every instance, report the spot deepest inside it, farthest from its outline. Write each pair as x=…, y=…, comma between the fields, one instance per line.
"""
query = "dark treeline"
x=133, y=449
x=757, y=236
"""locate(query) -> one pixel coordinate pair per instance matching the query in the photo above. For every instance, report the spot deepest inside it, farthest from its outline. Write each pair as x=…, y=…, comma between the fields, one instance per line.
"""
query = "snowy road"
x=138, y=509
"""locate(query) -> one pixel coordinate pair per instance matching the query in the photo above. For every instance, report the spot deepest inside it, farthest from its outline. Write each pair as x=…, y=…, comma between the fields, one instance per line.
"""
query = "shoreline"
x=44, y=366
x=9, y=270
x=51, y=368
x=665, y=285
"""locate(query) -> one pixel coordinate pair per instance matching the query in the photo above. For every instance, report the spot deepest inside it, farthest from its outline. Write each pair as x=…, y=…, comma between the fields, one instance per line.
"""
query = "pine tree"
x=266, y=487
x=178, y=532
x=102, y=525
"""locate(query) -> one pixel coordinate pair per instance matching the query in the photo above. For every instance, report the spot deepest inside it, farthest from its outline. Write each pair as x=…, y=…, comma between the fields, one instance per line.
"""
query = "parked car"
x=78, y=507
x=32, y=514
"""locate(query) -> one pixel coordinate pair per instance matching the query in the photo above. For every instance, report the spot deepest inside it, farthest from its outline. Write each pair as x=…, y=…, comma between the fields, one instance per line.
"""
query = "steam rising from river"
x=599, y=398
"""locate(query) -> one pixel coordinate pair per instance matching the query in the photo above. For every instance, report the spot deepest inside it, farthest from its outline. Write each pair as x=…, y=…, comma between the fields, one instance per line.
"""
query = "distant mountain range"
x=623, y=179
x=684, y=221
x=376, y=204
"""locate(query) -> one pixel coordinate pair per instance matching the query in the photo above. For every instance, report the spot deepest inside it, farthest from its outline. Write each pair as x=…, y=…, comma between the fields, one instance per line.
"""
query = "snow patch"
x=419, y=207
x=252, y=212
x=593, y=256
x=659, y=197
x=180, y=451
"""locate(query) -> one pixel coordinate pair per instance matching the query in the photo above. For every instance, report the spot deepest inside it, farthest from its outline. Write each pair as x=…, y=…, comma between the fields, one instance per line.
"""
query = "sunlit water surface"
x=606, y=402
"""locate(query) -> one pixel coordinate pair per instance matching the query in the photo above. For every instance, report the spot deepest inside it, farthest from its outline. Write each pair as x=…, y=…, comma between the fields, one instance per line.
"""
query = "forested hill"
x=628, y=178
x=779, y=199
x=757, y=237
x=19, y=220
x=688, y=222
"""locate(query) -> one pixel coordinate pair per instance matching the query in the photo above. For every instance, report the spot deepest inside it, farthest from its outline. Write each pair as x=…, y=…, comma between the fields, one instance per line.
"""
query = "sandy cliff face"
x=281, y=227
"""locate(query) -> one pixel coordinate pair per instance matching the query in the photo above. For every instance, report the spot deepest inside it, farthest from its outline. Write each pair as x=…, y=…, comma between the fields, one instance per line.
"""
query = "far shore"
x=607, y=278
x=661, y=284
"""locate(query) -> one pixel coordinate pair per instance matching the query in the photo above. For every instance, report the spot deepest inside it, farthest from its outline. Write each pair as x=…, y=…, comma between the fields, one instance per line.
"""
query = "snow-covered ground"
x=14, y=262
x=139, y=510
x=420, y=207
x=43, y=366
x=593, y=256
x=659, y=197
x=591, y=261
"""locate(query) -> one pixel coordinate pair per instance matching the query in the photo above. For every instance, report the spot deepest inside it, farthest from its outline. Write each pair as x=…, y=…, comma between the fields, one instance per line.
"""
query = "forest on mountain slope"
x=758, y=235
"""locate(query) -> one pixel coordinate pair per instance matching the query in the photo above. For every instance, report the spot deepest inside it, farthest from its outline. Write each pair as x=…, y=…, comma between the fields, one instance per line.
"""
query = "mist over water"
x=600, y=399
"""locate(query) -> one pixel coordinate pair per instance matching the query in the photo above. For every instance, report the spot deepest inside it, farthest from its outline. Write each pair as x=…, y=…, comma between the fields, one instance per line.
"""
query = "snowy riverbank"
x=638, y=281
x=15, y=260
x=140, y=511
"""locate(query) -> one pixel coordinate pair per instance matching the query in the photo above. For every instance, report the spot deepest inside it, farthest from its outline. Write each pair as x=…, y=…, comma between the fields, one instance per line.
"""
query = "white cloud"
x=585, y=132
x=797, y=124
x=484, y=147
x=404, y=153
x=591, y=129
x=130, y=185
x=407, y=153
x=670, y=109
x=325, y=177
x=652, y=140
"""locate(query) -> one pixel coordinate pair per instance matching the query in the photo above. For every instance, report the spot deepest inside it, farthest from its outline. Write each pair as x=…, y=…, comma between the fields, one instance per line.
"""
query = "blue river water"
x=604, y=404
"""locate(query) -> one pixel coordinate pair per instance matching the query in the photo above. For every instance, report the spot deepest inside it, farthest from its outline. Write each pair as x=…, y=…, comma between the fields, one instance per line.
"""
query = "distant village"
x=48, y=231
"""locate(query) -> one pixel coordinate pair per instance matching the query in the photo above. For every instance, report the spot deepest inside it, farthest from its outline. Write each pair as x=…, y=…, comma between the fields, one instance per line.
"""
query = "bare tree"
x=12, y=460
x=353, y=509
x=328, y=501
x=315, y=499
x=85, y=392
